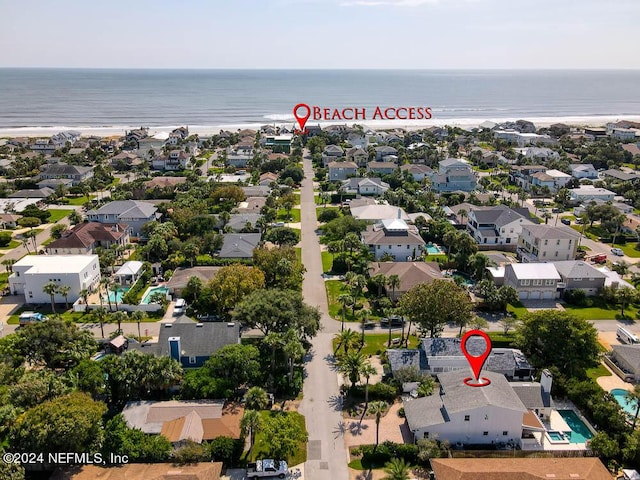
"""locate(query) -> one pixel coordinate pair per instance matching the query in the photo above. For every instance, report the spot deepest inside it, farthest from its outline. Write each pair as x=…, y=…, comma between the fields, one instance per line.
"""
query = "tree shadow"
x=357, y=428
x=331, y=361
x=336, y=402
x=340, y=430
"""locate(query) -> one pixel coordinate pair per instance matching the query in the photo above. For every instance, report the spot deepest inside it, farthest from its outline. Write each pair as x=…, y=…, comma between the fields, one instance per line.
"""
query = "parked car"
x=617, y=251
x=556, y=210
x=180, y=307
x=267, y=468
x=601, y=258
x=565, y=221
x=395, y=320
x=29, y=318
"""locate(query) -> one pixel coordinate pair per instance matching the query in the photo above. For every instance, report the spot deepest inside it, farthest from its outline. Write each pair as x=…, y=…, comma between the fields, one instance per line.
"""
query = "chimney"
x=174, y=348
x=546, y=380
x=399, y=213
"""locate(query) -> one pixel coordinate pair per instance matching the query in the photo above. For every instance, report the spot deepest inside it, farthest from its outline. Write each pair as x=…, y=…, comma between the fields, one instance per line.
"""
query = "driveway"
x=326, y=452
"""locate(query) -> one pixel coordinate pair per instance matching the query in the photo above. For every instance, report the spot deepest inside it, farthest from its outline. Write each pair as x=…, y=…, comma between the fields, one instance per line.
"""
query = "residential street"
x=326, y=451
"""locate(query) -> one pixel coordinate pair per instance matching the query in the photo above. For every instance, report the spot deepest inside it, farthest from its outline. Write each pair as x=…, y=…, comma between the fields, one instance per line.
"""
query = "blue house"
x=192, y=343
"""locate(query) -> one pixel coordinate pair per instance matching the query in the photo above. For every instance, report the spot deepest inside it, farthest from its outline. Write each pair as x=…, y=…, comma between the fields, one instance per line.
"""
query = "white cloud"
x=394, y=3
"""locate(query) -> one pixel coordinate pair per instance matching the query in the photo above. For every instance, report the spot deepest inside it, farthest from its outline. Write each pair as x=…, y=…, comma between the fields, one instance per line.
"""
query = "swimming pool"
x=433, y=249
x=620, y=395
x=117, y=295
x=146, y=299
x=580, y=433
x=556, y=436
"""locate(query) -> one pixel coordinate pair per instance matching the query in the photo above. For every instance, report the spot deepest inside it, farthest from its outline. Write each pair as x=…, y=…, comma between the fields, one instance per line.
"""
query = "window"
x=556, y=253
x=546, y=242
x=192, y=360
x=508, y=239
x=505, y=433
x=558, y=242
x=485, y=434
x=511, y=230
x=537, y=282
x=425, y=435
x=467, y=418
x=525, y=283
x=377, y=247
x=549, y=282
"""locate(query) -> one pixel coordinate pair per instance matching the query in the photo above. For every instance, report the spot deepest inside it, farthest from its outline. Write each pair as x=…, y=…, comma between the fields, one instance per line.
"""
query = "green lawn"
x=4, y=280
x=261, y=449
x=79, y=200
x=629, y=249
x=334, y=289
x=76, y=317
x=297, y=197
x=376, y=343
x=47, y=241
x=299, y=254
x=327, y=262
x=599, y=371
x=601, y=311
x=12, y=244
x=518, y=310
x=500, y=340
x=57, y=214
x=434, y=258
x=282, y=215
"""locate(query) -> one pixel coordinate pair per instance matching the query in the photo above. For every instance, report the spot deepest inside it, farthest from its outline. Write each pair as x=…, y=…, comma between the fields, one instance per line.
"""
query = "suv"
x=180, y=307
x=268, y=468
x=565, y=221
x=617, y=251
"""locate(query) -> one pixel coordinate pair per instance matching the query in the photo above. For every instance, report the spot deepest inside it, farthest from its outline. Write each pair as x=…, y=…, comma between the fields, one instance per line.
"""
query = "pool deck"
x=557, y=423
x=613, y=381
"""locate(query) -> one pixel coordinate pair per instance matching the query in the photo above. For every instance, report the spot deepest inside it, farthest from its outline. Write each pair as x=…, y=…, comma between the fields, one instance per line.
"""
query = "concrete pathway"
x=326, y=452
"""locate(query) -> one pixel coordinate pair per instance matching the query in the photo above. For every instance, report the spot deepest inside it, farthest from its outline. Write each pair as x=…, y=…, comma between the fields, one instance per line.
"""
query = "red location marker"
x=302, y=119
x=476, y=362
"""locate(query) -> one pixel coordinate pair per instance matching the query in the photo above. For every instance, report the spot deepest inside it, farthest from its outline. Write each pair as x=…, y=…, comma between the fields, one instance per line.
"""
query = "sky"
x=321, y=34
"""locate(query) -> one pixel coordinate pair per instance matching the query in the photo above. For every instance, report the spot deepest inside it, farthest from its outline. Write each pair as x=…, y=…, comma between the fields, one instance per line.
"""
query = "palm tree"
x=347, y=339
x=115, y=288
x=350, y=364
x=104, y=283
x=84, y=294
x=64, y=291
x=139, y=316
x=250, y=423
x=119, y=317
x=100, y=315
x=379, y=280
x=624, y=297
x=366, y=371
x=377, y=408
x=256, y=398
x=397, y=469
x=393, y=282
x=633, y=397
x=51, y=289
x=364, y=316
x=344, y=299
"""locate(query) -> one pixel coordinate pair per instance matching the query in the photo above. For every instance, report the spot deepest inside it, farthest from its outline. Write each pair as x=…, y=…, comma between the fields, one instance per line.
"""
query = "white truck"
x=267, y=468
x=625, y=336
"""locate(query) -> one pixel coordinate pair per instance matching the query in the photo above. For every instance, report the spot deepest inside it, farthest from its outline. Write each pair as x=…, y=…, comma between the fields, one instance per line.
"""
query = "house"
x=453, y=175
x=342, y=170
x=181, y=276
x=521, y=174
x=134, y=213
x=539, y=153
x=583, y=170
x=358, y=140
x=418, y=172
x=460, y=414
x=85, y=237
x=179, y=420
x=627, y=359
x=409, y=273
x=191, y=343
x=239, y=245
x=241, y=221
x=615, y=176
x=384, y=151
x=553, y=179
x=556, y=468
x=256, y=191
x=521, y=139
x=129, y=272
x=251, y=205
x=238, y=157
x=536, y=396
x=580, y=275
x=533, y=281
x=125, y=159
x=375, y=212
x=358, y=155
x=439, y=355
x=54, y=183
x=177, y=135
x=135, y=136
x=614, y=279
x=40, y=193
x=9, y=220
x=382, y=168
x=546, y=243
x=364, y=186
x=165, y=182
x=279, y=143
x=73, y=172
x=331, y=153
x=586, y=193
x=396, y=238
x=499, y=225
x=32, y=272
x=172, y=161
x=145, y=471
x=267, y=178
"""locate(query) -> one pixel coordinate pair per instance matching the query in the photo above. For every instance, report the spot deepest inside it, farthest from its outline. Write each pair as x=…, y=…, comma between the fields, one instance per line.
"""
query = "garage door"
x=534, y=295
x=524, y=295
x=547, y=295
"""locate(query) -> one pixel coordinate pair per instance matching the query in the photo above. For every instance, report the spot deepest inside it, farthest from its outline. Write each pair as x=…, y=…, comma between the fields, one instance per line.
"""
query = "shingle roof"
x=86, y=234
x=198, y=339
x=550, y=232
x=64, y=169
x=239, y=245
x=583, y=468
x=342, y=165
x=577, y=269
x=147, y=471
x=375, y=236
x=630, y=353
x=410, y=273
x=126, y=209
x=182, y=275
x=531, y=394
x=499, y=215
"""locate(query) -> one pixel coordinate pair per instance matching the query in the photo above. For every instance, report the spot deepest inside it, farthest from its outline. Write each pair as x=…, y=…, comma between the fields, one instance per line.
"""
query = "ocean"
x=34, y=100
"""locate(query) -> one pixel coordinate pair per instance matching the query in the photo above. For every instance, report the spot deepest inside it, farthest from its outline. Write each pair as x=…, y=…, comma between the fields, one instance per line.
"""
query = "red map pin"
x=302, y=119
x=478, y=362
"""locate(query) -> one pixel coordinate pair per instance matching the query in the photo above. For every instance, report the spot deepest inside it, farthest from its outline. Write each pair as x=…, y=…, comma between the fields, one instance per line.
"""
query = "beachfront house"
x=453, y=175
x=546, y=243
x=134, y=213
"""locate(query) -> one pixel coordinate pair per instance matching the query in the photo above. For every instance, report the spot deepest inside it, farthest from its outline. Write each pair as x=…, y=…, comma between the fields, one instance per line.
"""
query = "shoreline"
x=119, y=130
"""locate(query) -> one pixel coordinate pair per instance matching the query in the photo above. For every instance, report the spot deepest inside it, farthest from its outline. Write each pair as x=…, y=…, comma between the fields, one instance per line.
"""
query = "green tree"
x=367, y=371
x=281, y=267
x=64, y=291
x=100, y=316
x=347, y=339
x=393, y=282
x=11, y=471
x=256, y=398
x=232, y=284
x=350, y=364
x=377, y=408
x=51, y=288
x=237, y=363
x=624, y=297
x=72, y=423
x=88, y=377
x=282, y=236
x=250, y=424
x=276, y=310
x=119, y=317
x=190, y=452
x=553, y=338
x=345, y=299
x=226, y=450
x=139, y=316
x=58, y=230
x=633, y=397
x=285, y=434
x=603, y=445
x=35, y=387
x=397, y=469
x=137, y=445
x=433, y=305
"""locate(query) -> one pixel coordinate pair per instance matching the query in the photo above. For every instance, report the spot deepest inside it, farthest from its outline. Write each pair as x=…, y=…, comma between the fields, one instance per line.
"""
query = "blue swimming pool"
x=620, y=394
x=580, y=433
x=117, y=295
x=556, y=436
x=149, y=294
x=433, y=249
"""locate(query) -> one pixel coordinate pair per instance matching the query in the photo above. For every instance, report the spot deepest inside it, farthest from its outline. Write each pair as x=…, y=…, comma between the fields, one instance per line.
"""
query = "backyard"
x=58, y=214
x=261, y=447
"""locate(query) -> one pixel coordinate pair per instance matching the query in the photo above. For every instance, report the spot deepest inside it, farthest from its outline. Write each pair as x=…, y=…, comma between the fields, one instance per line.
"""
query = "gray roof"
x=499, y=215
x=620, y=175
x=403, y=358
x=181, y=276
x=425, y=412
x=577, y=269
x=239, y=245
x=531, y=394
x=256, y=191
x=32, y=193
x=333, y=149
x=453, y=161
x=64, y=169
x=630, y=353
x=552, y=233
x=237, y=221
x=197, y=339
x=126, y=209
x=355, y=182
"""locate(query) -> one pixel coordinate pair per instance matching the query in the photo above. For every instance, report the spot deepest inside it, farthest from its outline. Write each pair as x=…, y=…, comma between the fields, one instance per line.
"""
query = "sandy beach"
x=105, y=131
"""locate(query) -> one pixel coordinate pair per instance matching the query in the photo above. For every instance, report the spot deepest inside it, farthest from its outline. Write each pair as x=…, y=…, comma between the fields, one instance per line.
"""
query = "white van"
x=625, y=336
x=180, y=306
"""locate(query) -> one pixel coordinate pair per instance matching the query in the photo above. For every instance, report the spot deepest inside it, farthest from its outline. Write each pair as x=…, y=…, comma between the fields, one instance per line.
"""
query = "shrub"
x=373, y=457
x=576, y=297
x=378, y=391
x=401, y=413
x=5, y=239
x=226, y=450
x=326, y=215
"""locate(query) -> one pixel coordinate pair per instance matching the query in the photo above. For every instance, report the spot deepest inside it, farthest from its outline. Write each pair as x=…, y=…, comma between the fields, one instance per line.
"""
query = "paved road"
x=326, y=451
x=19, y=252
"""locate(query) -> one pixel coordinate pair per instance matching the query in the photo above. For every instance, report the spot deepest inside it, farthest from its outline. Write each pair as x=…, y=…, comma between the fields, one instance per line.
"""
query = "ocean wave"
x=280, y=117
